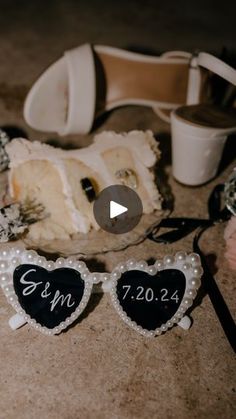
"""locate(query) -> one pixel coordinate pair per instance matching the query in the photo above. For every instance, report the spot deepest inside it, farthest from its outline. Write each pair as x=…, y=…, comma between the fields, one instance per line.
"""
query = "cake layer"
x=56, y=178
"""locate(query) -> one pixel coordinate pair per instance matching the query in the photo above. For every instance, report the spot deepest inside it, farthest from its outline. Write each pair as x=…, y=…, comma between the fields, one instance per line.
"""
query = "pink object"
x=230, y=238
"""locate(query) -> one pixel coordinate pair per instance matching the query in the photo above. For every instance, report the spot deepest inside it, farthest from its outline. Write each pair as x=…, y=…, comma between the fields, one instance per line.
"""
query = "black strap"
x=181, y=227
x=217, y=300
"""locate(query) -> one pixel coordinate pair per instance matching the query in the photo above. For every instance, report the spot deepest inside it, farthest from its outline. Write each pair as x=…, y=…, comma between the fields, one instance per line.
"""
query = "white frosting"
x=141, y=144
x=78, y=219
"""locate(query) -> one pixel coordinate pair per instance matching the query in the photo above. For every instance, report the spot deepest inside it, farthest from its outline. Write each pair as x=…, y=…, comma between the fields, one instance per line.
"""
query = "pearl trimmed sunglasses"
x=50, y=296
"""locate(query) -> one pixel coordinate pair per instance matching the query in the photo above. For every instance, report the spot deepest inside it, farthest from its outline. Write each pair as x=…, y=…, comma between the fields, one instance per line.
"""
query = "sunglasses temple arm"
x=16, y=321
x=185, y=323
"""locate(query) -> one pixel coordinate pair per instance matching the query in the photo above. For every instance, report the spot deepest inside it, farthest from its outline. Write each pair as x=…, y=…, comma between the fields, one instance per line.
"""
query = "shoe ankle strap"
x=217, y=66
x=211, y=63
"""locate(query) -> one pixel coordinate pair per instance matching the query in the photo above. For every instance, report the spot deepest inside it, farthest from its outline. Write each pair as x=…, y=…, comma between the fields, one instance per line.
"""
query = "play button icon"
x=118, y=209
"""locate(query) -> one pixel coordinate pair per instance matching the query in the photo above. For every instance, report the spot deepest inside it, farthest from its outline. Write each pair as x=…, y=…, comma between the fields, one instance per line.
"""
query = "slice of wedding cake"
x=66, y=182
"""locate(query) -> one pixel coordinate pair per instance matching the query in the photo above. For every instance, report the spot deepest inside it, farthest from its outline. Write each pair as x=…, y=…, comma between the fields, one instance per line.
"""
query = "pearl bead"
x=182, y=309
x=122, y=267
x=192, y=293
x=142, y=264
x=169, y=323
x=174, y=319
x=195, y=259
x=157, y=332
x=105, y=277
x=96, y=277
x=31, y=255
x=4, y=278
x=41, y=260
x=180, y=256
x=187, y=302
x=86, y=292
x=131, y=263
x=198, y=271
x=60, y=262
x=186, y=266
x=3, y=265
x=168, y=260
x=15, y=261
x=85, y=274
x=152, y=270
x=115, y=275
x=81, y=266
x=17, y=250
x=159, y=265
x=163, y=328
x=7, y=290
x=49, y=265
x=71, y=261
x=4, y=253
x=194, y=282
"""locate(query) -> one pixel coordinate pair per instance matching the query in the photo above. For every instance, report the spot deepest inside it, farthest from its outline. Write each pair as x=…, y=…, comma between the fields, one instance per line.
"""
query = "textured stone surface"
x=99, y=368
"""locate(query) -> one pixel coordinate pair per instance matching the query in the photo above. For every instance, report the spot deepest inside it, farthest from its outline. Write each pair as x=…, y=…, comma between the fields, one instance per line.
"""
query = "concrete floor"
x=99, y=368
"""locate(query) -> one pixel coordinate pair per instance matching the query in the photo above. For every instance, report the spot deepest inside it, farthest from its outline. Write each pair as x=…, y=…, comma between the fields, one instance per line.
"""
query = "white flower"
x=12, y=212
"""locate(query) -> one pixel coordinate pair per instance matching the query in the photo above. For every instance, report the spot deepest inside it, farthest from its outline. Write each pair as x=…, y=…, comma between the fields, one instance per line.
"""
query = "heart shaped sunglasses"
x=50, y=296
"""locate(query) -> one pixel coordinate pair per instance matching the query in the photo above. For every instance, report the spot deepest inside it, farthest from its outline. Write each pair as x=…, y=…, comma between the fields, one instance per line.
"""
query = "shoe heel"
x=196, y=151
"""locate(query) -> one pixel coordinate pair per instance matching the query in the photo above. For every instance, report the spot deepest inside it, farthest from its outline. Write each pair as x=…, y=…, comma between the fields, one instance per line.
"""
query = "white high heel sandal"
x=88, y=81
